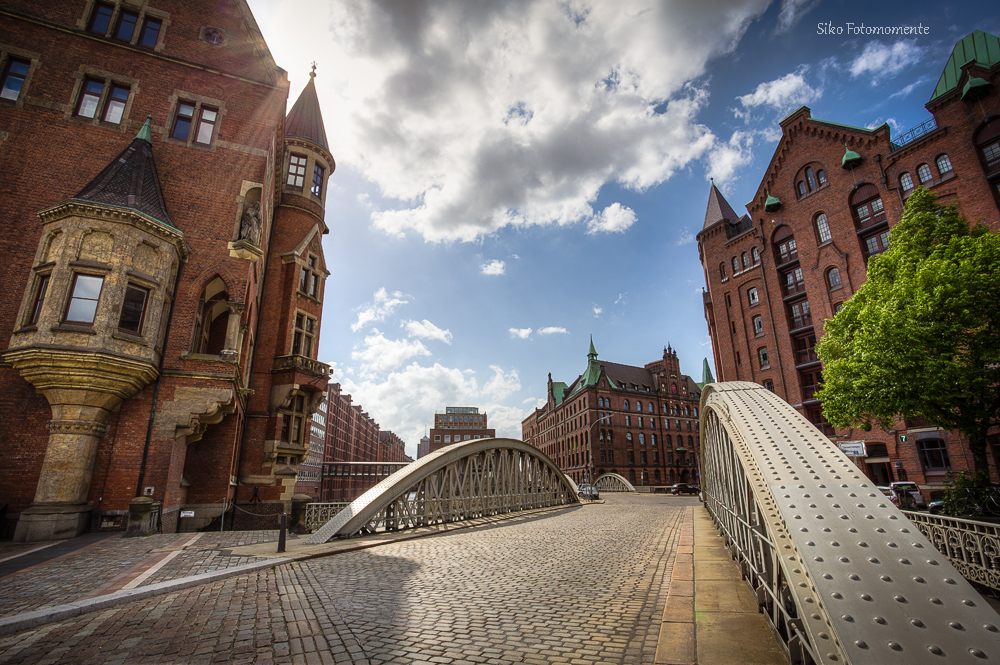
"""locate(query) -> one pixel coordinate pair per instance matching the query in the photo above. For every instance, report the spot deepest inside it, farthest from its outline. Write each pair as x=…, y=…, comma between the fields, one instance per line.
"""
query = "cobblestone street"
x=582, y=585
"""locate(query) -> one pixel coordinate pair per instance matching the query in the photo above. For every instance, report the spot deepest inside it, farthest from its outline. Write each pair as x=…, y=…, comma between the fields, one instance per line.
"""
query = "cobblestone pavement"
x=583, y=585
x=112, y=563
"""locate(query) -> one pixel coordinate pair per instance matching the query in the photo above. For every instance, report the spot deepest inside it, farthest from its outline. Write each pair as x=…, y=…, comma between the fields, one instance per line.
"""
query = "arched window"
x=213, y=319
x=755, y=253
x=601, y=437
x=822, y=228
x=802, y=188
x=722, y=270
x=651, y=410
x=924, y=173
x=821, y=175
x=638, y=406
x=906, y=182
x=652, y=439
x=746, y=261
x=866, y=204
x=736, y=265
x=628, y=437
x=625, y=403
x=642, y=439
x=810, y=179
x=833, y=278
x=943, y=164
x=988, y=147
x=695, y=412
x=784, y=245
x=667, y=441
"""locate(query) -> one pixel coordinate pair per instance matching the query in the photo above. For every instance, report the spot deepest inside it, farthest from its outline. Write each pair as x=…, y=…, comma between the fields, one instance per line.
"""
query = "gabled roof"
x=305, y=120
x=130, y=181
x=718, y=208
x=558, y=391
x=981, y=47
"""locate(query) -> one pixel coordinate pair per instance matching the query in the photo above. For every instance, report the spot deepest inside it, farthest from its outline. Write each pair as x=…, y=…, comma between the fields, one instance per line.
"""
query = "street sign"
x=853, y=448
x=187, y=513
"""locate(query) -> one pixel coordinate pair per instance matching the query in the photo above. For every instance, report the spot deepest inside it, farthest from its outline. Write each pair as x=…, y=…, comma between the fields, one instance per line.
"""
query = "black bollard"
x=281, y=532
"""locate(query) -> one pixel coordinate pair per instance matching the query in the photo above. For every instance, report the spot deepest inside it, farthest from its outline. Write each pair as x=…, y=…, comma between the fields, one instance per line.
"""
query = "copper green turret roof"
x=130, y=181
x=851, y=158
x=706, y=374
x=981, y=47
x=593, y=372
x=305, y=120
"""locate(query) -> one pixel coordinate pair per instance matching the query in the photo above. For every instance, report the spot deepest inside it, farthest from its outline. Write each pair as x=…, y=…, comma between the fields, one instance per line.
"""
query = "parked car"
x=588, y=492
x=684, y=488
x=908, y=495
x=935, y=507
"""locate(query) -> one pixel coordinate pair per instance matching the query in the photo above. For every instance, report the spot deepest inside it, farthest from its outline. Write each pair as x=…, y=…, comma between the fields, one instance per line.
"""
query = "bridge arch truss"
x=463, y=481
x=840, y=573
x=612, y=482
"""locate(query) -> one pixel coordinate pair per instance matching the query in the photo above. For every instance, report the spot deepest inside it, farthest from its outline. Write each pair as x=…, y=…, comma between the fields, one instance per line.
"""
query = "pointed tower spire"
x=130, y=181
x=305, y=120
x=592, y=354
x=718, y=208
x=706, y=374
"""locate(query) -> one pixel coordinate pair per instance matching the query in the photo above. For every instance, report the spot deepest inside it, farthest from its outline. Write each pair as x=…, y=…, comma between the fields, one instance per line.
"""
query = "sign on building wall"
x=853, y=448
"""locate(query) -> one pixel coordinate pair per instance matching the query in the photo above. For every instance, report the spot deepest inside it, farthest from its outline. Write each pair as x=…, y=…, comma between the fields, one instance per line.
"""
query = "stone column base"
x=54, y=521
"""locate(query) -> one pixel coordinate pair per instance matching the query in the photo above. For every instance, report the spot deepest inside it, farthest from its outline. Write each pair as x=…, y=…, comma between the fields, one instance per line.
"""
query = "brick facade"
x=638, y=422
x=825, y=204
x=213, y=420
x=459, y=423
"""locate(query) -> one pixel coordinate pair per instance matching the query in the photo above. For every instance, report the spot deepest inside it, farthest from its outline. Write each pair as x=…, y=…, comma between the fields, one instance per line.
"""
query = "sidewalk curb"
x=19, y=622
x=27, y=620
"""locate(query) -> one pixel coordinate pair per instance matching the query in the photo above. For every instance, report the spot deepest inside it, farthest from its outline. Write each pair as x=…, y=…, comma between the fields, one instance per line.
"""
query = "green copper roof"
x=975, y=88
x=706, y=374
x=981, y=47
x=593, y=372
x=144, y=133
x=851, y=158
x=772, y=203
x=559, y=391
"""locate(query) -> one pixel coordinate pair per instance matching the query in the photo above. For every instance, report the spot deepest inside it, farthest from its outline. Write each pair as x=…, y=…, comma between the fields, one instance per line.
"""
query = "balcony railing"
x=797, y=322
x=788, y=258
x=809, y=392
x=301, y=364
x=872, y=220
x=792, y=289
x=805, y=356
x=913, y=133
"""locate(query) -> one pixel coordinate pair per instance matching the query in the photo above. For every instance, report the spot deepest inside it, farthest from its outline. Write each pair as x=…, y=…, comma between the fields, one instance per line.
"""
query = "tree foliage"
x=921, y=338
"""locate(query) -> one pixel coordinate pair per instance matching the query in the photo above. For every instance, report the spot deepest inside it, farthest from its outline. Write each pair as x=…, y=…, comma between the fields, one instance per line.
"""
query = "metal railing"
x=926, y=127
x=972, y=547
x=318, y=514
x=612, y=482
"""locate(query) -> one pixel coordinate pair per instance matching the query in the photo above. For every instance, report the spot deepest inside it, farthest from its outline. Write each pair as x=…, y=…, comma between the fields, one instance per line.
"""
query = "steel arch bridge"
x=462, y=481
x=612, y=482
x=840, y=573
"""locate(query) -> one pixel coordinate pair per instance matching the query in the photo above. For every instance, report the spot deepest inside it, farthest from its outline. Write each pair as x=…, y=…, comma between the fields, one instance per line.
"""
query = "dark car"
x=684, y=488
x=588, y=492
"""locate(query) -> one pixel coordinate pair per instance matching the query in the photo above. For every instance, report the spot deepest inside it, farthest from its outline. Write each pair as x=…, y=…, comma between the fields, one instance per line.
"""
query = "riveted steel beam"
x=612, y=482
x=841, y=574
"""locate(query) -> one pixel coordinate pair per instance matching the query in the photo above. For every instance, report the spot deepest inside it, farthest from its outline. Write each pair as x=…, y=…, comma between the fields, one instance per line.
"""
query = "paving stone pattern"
x=584, y=585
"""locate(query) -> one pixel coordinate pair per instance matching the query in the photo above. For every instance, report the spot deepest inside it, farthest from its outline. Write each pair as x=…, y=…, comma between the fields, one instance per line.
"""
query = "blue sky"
x=515, y=177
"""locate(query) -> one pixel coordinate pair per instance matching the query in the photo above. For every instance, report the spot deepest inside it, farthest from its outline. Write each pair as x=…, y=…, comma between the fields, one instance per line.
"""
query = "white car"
x=908, y=496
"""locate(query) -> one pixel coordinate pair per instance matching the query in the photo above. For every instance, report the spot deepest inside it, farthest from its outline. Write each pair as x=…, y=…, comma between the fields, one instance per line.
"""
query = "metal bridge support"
x=841, y=574
x=459, y=482
x=612, y=482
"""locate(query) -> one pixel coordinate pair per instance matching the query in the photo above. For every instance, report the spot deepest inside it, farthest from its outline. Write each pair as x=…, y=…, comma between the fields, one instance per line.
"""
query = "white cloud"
x=892, y=122
x=552, y=330
x=382, y=305
x=471, y=117
x=405, y=400
x=378, y=354
x=880, y=62
x=427, y=330
x=908, y=89
x=782, y=94
x=598, y=311
x=613, y=219
x=523, y=333
x=515, y=257
x=725, y=159
x=686, y=237
x=792, y=11
x=494, y=267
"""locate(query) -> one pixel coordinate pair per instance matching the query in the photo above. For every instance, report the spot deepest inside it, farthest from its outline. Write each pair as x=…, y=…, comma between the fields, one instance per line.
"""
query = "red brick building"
x=163, y=273
x=459, y=423
x=826, y=203
x=638, y=422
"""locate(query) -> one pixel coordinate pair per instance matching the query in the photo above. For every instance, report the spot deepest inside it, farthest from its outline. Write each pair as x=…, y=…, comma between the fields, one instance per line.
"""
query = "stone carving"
x=250, y=224
x=89, y=428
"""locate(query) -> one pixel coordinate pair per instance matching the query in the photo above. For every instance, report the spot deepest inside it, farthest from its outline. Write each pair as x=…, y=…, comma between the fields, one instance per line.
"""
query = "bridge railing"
x=972, y=547
x=318, y=514
x=838, y=571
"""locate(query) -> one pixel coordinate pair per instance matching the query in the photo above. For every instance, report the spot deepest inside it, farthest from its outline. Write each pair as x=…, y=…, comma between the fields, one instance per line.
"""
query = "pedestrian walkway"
x=588, y=582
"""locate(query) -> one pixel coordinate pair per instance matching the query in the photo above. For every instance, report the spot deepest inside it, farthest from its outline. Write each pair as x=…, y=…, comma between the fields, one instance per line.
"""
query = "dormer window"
x=317, y=184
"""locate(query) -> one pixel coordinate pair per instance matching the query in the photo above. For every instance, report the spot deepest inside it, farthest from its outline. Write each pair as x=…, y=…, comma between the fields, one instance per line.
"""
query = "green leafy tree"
x=921, y=338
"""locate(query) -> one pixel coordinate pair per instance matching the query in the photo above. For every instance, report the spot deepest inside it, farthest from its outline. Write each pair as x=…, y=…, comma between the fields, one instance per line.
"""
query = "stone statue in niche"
x=250, y=224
